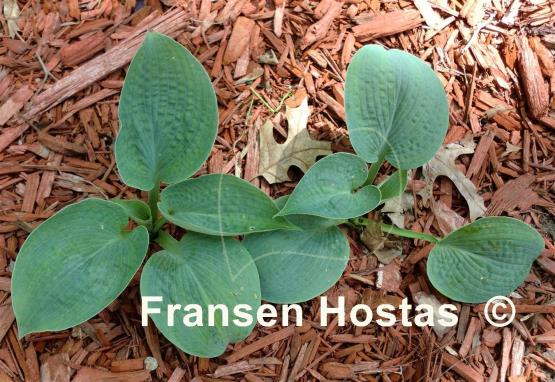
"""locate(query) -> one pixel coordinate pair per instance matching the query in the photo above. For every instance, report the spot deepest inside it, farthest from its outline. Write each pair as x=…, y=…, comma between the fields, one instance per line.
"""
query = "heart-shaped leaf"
x=295, y=266
x=395, y=106
x=489, y=257
x=394, y=185
x=74, y=265
x=202, y=270
x=168, y=114
x=137, y=210
x=219, y=204
x=334, y=188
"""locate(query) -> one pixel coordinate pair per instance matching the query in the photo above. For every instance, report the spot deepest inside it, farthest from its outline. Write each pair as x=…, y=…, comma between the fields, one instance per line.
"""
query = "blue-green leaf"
x=334, y=188
x=137, y=210
x=168, y=114
x=219, y=204
x=394, y=185
x=396, y=107
x=74, y=265
x=296, y=266
x=489, y=257
x=202, y=270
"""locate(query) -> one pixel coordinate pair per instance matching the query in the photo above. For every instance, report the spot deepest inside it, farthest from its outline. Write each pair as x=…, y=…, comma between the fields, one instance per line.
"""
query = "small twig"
x=47, y=72
x=268, y=106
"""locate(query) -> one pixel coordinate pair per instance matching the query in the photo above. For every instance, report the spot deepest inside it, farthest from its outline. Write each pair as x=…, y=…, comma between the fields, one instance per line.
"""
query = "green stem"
x=153, y=196
x=166, y=241
x=387, y=228
x=374, y=169
x=159, y=223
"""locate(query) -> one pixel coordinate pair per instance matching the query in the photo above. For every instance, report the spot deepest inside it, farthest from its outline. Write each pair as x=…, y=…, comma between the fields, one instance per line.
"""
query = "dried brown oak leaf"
x=443, y=164
x=298, y=149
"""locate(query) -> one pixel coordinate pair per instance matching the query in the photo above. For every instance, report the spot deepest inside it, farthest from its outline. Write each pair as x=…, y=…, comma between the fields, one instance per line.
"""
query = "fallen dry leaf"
x=381, y=246
x=443, y=164
x=56, y=368
x=11, y=14
x=298, y=150
x=510, y=148
x=428, y=299
x=448, y=219
x=395, y=208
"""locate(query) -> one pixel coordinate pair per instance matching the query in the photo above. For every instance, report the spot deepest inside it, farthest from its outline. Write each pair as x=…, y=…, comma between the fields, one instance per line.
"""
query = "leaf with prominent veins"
x=283, y=258
x=202, y=270
x=396, y=107
x=168, y=114
x=74, y=265
x=219, y=204
x=334, y=188
x=489, y=257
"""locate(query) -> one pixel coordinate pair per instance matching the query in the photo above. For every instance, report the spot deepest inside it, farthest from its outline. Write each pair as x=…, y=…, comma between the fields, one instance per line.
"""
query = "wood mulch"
x=60, y=79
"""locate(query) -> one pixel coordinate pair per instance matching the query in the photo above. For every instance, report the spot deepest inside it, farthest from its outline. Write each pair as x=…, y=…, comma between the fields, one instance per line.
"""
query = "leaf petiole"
x=158, y=224
x=166, y=241
x=374, y=169
x=391, y=229
x=153, y=196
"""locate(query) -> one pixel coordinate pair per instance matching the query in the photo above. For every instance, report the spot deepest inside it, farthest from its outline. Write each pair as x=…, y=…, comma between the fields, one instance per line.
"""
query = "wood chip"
x=535, y=88
x=239, y=39
x=387, y=24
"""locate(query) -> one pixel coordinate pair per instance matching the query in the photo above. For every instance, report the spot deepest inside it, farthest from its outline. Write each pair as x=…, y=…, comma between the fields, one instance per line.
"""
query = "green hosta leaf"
x=334, y=188
x=202, y=270
x=220, y=204
x=394, y=185
x=295, y=266
x=137, y=210
x=74, y=265
x=168, y=114
x=396, y=107
x=489, y=257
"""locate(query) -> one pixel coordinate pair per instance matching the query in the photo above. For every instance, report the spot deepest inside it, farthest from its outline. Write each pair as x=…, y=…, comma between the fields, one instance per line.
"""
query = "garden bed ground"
x=60, y=78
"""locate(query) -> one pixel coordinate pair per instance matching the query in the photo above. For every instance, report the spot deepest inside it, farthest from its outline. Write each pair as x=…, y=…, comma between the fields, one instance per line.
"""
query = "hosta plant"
x=397, y=111
x=76, y=263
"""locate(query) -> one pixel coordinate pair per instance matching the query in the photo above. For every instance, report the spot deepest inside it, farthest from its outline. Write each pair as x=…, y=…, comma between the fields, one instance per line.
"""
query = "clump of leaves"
x=77, y=262
x=397, y=111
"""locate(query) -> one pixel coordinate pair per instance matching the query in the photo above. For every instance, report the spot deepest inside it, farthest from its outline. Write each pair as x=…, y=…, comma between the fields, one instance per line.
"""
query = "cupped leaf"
x=74, y=265
x=295, y=266
x=219, y=204
x=202, y=270
x=396, y=107
x=168, y=114
x=137, y=210
x=394, y=185
x=334, y=188
x=489, y=257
